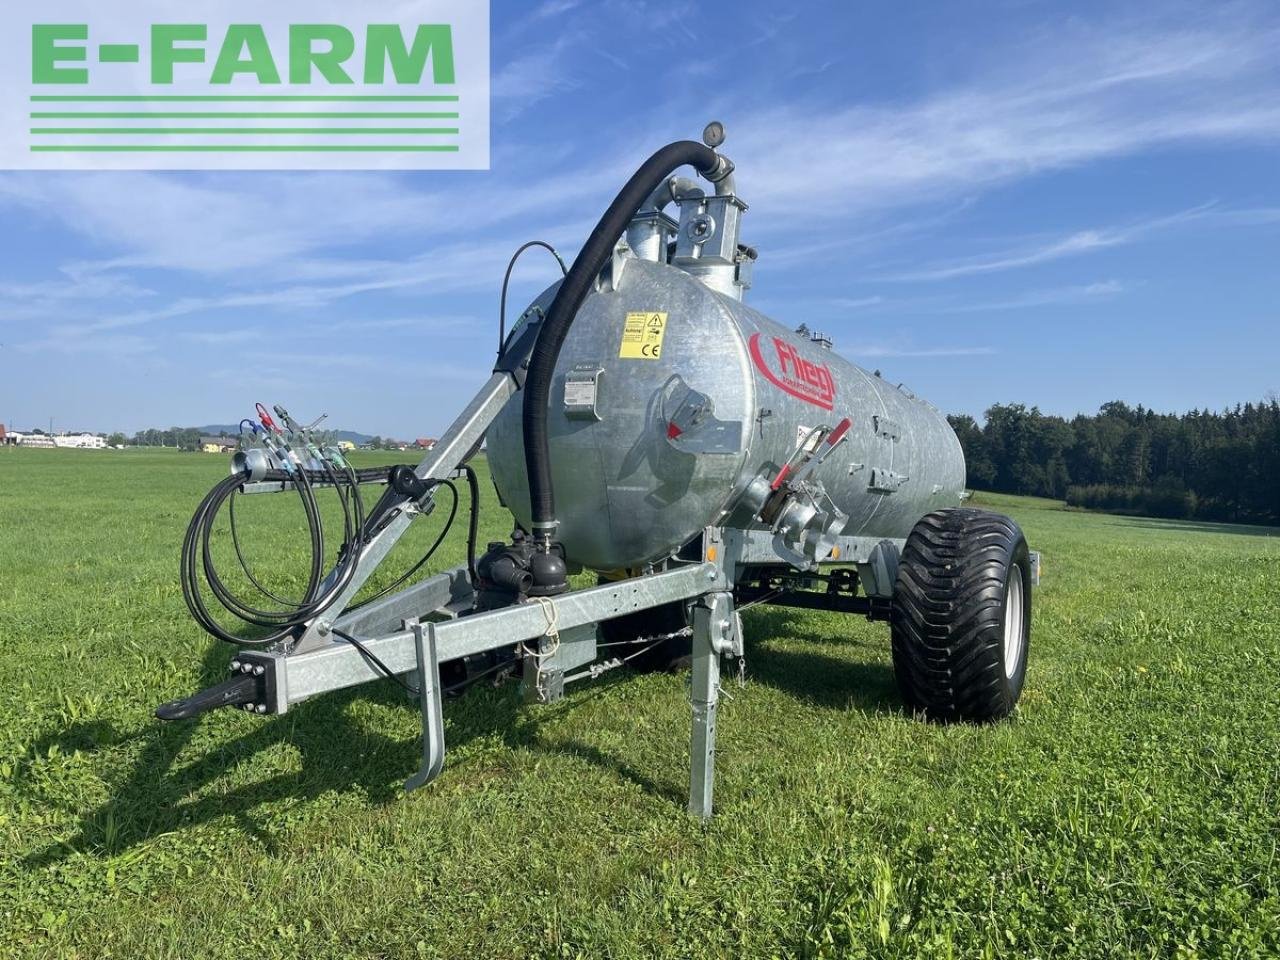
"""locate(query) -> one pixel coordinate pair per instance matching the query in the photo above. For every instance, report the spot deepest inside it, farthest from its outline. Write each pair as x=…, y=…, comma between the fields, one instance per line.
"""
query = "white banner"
x=245, y=85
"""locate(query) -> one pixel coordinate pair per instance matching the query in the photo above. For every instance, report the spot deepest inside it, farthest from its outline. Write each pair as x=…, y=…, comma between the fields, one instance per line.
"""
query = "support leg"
x=429, y=695
x=712, y=625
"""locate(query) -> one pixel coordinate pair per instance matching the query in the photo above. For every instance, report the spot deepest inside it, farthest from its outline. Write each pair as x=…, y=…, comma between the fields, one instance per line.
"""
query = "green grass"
x=1130, y=808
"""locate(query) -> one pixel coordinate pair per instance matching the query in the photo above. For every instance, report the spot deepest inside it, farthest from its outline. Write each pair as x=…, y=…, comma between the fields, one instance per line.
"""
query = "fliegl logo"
x=784, y=367
x=290, y=84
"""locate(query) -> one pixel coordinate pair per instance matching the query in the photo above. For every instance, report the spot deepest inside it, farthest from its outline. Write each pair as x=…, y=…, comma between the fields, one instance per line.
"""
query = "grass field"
x=1130, y=807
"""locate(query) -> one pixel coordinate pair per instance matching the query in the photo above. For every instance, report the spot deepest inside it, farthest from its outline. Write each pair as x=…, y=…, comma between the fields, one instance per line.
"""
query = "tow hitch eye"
x=248, y=688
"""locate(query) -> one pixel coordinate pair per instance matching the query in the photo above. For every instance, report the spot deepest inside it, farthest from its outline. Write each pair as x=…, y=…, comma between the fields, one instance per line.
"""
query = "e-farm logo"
x=312, y=88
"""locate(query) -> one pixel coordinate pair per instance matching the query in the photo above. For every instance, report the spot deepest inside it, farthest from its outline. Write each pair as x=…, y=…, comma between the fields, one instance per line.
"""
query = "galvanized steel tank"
x=629, y=492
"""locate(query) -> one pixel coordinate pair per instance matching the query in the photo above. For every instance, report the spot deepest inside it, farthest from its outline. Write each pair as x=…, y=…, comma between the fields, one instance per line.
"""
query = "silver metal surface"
x=650, y=229
x=335, y=664
x=746, y=548
x=546, y=662
x=880, y=571
x=1014, y=641
x=712, y=633
x=577, y=646
x=626, y=495
x=450, y=450
x=692, y=426
x=707, y=243
x=430, y=700
x=442, y=594
x=651, y=448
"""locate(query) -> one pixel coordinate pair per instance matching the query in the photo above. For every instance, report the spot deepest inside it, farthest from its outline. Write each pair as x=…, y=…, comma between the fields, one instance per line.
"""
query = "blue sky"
x=1053, y=203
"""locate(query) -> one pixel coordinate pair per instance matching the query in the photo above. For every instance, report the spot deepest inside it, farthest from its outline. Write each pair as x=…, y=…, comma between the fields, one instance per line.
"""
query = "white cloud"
x=854, y=303
x=222, y=337
x=35, y=301
x=1081, y=95
x=533, y=77
x=300, y=242
x=1042, y=250
x=221, y=224
x=924, y=352
x=1252, y=217
x=553, y=8
x=1076, y=97
x=99, y=345
x=1083, y=293
x=1077, y=243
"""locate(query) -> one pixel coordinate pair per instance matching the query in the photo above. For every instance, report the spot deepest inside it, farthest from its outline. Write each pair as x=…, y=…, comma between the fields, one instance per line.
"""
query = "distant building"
x=425, y=443
x=346, y=445
x=65, y=441
x=80, y=441
x=217, y=445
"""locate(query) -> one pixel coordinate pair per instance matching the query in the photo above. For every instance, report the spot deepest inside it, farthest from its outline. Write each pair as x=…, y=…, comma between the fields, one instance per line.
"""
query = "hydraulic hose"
x=473, y=522
x=506, y=282
x=358, y=527
x=573, y=291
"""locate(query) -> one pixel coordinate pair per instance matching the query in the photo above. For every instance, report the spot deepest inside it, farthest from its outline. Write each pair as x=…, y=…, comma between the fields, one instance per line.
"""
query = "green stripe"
x=243, y=99
x=367, y=115
x=241, y=130
x=118, y=53
x=244, y=148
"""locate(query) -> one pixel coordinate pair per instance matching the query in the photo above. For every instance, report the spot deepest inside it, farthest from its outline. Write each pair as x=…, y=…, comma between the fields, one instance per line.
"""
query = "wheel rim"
x=1013, y=622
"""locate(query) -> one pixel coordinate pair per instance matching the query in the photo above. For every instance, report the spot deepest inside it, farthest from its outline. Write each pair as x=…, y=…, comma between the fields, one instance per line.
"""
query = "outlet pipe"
x=646, y=235
x=591, y=259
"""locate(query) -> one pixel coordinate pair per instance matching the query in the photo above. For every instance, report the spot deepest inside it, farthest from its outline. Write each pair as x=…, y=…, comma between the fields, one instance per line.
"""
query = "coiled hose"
x=359, y=528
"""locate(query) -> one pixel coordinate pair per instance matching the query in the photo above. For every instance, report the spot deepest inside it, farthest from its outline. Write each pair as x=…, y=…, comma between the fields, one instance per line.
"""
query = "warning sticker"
x=642, y=336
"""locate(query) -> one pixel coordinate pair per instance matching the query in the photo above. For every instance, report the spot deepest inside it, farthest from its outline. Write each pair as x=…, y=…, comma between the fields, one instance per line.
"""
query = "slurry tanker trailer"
x=645, y=423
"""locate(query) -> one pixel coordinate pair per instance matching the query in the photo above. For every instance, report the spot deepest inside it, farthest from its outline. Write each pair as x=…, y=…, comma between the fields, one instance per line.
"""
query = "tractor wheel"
x=961, y=615
x=672, y=653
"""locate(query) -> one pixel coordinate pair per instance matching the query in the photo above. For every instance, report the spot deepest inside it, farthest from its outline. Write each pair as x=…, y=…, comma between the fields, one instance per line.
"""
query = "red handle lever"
x=266, y=418
x=841, y=429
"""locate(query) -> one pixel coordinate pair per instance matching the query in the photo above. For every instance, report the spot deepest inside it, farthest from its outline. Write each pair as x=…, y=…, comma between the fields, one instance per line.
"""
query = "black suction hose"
x=586, y=267
x=473, y=522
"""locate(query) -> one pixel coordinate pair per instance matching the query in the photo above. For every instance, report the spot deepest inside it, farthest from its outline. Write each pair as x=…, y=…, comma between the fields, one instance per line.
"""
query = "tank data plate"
x=642, y=336
x=580, y=390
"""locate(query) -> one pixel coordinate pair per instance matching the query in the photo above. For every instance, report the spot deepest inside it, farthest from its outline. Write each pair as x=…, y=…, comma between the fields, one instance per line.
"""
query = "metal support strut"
x=429, y=696
x=714, y=633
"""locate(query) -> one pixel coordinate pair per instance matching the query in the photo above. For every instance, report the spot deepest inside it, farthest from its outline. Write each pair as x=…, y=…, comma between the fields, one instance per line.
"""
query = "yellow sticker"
x=642, y=336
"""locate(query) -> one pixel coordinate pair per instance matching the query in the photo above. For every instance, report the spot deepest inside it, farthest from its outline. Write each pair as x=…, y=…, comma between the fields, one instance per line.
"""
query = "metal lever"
x=429, y=696
x=812, y=462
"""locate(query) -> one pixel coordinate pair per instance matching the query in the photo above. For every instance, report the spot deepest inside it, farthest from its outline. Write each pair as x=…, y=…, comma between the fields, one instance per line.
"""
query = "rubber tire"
x=672, y=654
x=947, y=618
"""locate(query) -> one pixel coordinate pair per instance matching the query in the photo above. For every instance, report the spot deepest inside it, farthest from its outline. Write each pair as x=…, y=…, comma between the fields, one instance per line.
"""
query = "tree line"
x=1202, y=464
x=184, y=438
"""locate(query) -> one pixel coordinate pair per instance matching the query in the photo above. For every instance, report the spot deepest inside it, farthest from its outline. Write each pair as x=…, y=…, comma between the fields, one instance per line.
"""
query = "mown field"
x=1129, y=809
